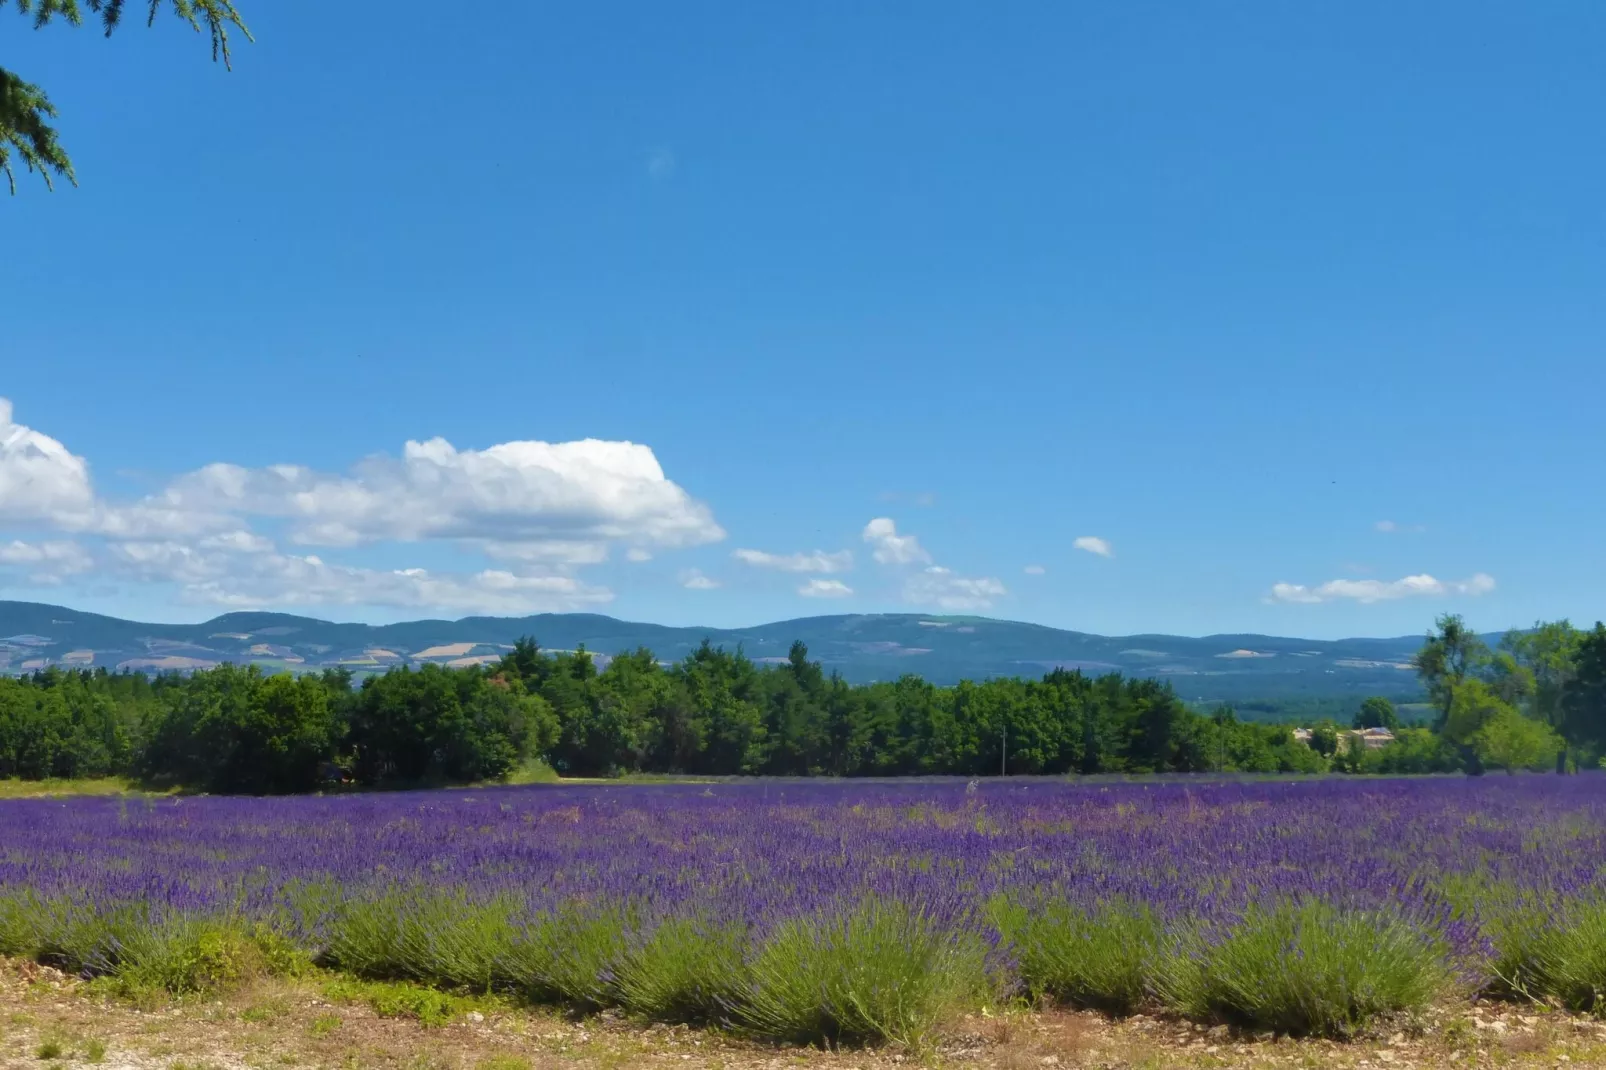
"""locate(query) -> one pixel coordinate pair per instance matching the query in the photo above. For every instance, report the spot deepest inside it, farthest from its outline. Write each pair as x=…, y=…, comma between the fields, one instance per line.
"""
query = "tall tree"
x=25, y=109
x=1453, y=653
x=1584, y=702
x=1547, y=655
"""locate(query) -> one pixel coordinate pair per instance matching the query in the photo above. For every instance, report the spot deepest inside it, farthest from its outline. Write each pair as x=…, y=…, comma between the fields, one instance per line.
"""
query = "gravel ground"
x=276, y=1023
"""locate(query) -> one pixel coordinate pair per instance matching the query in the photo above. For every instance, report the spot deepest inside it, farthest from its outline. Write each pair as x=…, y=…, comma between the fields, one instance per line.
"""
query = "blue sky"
x=1228, y=288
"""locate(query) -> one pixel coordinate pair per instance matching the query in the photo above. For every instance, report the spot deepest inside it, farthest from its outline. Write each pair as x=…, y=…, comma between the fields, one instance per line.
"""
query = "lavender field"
x=840, y=911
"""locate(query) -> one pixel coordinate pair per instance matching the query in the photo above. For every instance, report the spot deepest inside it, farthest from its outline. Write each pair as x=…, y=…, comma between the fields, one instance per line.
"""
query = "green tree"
x=1415, y=751
x=1324, y=740
x=1511, y=741
x=1584, y=701
x=1451, y=655
x=1547, y=654
x=1377, y=712
x=438, y=724
x=232, y=729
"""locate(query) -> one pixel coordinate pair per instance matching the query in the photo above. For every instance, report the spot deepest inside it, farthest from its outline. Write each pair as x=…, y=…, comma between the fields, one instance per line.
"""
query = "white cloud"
x=1386, y=526
x=40, y=479
x=940, y=587
x=1094, y=545
x=1368, y=591
x=542, y=509
x=892, y=548
x=1034, y=570
x=256, y=578
x=243, y=542
x=638, y=555
x=539, y=493
x=47, y=562
x=547, y=551
x=817, y=561
x=825, y=589
x=693, y=580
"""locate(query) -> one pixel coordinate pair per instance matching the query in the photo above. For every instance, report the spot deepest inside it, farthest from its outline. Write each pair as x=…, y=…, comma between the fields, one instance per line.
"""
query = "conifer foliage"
x=26, y=133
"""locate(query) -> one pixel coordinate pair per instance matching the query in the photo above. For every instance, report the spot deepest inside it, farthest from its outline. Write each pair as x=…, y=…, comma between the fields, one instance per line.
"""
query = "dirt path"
x=47, y=1019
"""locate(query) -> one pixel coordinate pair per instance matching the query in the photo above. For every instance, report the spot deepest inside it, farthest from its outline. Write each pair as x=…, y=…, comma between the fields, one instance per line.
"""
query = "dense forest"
x=1539, y=698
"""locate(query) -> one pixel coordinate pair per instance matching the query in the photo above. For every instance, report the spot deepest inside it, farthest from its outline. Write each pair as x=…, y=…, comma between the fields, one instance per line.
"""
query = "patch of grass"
x=533, y=771
x=269, y=1011
x=400, y=999
x=1100, y=958
x=503, y=1062
x=1306, y=969
x=94, y=1050
x=325, y=1024
x=882, y=972
x=688, y=970
x=49, y=1049
x=12, y=788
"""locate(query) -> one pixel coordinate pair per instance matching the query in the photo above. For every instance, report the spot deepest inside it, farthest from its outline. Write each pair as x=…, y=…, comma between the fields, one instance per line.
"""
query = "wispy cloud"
x=661, y=164
x=825, y=589
x=1094, y=545
x=1391, y=527
x=890, y=548
x=1034, y=570
x=693, y=580
x=1367, y=591
x=816, y=561
x=940, y=587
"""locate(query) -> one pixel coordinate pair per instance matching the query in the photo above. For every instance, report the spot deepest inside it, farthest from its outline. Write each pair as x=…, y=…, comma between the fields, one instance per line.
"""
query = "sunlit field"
x=835, y=912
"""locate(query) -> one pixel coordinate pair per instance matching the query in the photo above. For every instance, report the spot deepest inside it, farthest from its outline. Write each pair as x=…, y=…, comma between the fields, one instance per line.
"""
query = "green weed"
x=394, y=999
x=325, y=1024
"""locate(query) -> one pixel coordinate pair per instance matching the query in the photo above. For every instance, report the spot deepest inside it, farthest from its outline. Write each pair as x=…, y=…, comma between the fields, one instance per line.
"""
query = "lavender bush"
x=860, y=911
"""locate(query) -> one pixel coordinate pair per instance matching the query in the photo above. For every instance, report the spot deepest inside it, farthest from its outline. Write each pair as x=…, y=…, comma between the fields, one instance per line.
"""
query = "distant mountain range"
x=942, y=649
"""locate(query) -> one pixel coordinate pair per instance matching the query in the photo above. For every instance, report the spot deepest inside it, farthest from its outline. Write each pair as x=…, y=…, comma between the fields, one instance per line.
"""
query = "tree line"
x=1539, y=697
x=715, y=712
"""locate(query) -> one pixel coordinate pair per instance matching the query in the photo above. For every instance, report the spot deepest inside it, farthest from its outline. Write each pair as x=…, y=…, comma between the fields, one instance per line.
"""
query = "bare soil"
x=49, y=1019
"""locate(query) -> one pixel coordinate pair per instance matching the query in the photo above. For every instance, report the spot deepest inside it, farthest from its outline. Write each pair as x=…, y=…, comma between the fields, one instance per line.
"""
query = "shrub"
x=1306, y=969
x=569, y=956
x=187, y=956
x=1564, y=960
x=433, y=937
x=1099, y=958
x=688, y=970
x=882, y=972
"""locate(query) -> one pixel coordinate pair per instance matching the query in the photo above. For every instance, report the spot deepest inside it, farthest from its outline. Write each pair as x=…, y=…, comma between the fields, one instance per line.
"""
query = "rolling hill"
x=943, y=649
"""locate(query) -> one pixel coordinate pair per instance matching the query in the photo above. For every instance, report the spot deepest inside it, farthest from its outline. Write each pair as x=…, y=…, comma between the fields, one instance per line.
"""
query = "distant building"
x=1370, y=738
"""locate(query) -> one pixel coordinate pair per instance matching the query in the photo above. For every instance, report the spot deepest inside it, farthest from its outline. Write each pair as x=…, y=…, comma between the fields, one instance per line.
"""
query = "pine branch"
x=24, y=109
x=24, y=106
